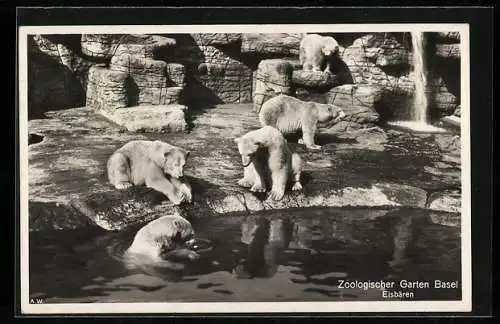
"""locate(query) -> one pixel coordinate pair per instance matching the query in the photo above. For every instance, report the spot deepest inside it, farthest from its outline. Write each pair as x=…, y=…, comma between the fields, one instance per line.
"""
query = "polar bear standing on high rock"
x=289, y=115
x=266, y=149
x=315, y=50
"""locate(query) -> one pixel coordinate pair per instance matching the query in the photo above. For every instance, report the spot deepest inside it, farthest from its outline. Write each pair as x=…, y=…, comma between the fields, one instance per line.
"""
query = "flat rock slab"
x=448, y=200
x=68, y=184
x=150, y=118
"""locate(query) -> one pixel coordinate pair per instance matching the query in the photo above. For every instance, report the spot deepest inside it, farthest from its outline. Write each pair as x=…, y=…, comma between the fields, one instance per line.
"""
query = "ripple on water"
x=325, y=245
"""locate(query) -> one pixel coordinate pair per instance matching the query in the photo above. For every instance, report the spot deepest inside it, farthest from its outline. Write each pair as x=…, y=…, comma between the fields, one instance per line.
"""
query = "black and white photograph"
x=245, y=168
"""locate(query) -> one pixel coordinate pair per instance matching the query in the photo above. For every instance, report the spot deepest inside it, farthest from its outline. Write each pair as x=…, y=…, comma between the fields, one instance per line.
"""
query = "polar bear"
x=289, y=115
x=265, y=150
x=315, y=50
x=156, y=164
x=164, y=237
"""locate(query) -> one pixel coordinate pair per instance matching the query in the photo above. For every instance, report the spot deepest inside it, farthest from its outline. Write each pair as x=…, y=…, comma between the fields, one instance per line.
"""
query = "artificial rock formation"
x=107, y=89
x=216, y=68
x=451, y=51
x=448, y=37
x=150, y=118
x=382, y=49
x=214, y=72
x=444, y=102
x=273, y=77
x=102, y=47
x=138, y=79
x=216, y=39
x=271, y=45
x=57, y=75
x=359, y=104
x=314, y=79
x=445, y=70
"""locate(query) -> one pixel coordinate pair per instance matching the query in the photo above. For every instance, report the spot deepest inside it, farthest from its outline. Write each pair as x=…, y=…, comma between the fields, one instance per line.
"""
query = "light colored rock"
x=176, y=74
x=215, y=39
x=382, y=49
x=152, y=118
x=448, y=201
x=148, y=79
x=173, y=95
x=266, y=44
x=273, y=77
x=457, y=111
x=106, y=89
x=364, y=71
x=230, y=82
x=99, y=46
x=403, y=194
x=358, y=102
x=449, y=143
x=314, y=79
x=105, y=46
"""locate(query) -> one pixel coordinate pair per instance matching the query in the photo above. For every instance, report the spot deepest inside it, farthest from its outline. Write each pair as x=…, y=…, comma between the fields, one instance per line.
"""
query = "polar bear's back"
x=312, y=41
x=159, y=234
x=283, y=112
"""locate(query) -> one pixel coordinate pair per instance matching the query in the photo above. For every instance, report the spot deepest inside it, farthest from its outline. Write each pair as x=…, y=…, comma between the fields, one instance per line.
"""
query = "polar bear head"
x=329, y=113
x=173, y=158
x=330, y=46
x=247, y=147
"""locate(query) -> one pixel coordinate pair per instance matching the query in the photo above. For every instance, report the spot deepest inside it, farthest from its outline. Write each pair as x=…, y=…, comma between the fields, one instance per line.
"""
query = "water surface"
x=292, y=255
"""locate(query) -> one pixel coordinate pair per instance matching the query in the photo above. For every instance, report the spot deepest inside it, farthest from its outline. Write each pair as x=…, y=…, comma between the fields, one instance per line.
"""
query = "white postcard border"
x=465, y=305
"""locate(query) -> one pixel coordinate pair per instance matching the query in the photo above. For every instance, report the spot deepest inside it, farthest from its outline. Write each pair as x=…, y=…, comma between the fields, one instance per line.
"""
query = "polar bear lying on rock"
x=315, y=50
x=156, y=164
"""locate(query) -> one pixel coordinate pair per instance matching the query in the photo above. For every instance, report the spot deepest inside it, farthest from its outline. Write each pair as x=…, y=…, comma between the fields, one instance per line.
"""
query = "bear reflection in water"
x=270, y=240
x=313, y=241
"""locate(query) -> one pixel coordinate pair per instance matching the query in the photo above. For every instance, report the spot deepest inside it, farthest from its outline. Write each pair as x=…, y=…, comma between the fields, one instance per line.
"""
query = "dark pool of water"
x=34, y=138
x=293, y=255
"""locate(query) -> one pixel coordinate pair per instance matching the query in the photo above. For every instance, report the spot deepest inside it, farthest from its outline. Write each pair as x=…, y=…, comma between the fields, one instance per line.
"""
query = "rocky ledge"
x=369, y=167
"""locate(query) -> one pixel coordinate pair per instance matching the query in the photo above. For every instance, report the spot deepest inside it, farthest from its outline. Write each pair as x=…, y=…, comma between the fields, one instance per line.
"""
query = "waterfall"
x=418, y=111
x=420, y=103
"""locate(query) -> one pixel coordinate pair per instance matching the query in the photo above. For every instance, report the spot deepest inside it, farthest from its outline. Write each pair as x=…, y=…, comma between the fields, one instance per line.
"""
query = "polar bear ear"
x=167, y=150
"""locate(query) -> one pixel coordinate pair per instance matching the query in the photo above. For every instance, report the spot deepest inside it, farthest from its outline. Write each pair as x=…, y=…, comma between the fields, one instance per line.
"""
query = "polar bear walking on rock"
x=315, y=50
x=266, y=149
x=156, y=164
x=289, y=115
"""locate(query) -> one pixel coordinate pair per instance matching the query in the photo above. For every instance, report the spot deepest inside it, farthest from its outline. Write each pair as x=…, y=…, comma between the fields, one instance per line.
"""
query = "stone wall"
x=57, y=73
x=115, y=71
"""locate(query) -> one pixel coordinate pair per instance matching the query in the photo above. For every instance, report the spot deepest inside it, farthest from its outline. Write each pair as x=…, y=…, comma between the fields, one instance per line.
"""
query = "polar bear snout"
x=330, y=51
x=246, y=160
